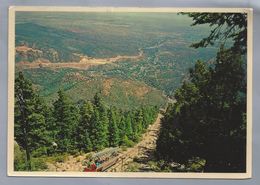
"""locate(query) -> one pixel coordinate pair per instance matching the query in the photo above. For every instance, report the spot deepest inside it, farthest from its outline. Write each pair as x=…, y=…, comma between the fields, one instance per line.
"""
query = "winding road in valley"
x=84, y=62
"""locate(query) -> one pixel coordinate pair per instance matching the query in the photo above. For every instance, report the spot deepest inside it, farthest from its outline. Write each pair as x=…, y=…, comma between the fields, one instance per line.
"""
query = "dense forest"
x=208, y=121
x=67, y=127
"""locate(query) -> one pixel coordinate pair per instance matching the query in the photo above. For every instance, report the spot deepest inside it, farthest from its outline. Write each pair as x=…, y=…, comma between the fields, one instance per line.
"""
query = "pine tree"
x=66, y=121
x=113, y=129
x=51, y=128
x=228, y=102
x=139, y=121
x=146, y=118
x=103, y=129
x=86, y=142
x=122, y=129
x=225, y=26
x=94, y=136
x=84, y=127
x=135, y=126
x=103, y=125
x=30, y=127
x=128, y=126
x=100, y=124
x=99, y=103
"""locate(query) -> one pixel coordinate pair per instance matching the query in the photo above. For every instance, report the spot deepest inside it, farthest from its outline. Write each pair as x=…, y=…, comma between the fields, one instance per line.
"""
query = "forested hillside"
x=66, y=127
x=81, y=85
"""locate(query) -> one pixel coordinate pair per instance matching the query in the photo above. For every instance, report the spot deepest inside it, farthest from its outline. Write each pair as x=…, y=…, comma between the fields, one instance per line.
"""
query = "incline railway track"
x=148, y=142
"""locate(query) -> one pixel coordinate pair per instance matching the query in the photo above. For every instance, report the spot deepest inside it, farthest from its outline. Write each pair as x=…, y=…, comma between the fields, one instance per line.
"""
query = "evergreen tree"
x=103, y=122
x=135, y=126
x=128, y=126
x=99, y=131
x=100, y=124
x=103, y=129
x=225, y=27
x=113, y=129
x=86, y=142
x=94, y=136
x=139, y=121
x=226, y=125
x=146, y=118
x=66, y=121
x=122, y=129
x=99, y=103
x=84, y=127
x=50, y=122
x=30, y=126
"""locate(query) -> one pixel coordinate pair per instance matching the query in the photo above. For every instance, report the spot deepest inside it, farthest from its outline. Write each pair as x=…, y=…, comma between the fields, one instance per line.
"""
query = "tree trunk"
x=28, y=159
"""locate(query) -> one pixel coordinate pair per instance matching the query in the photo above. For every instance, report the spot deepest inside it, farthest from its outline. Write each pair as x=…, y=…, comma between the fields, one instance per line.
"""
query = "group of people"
x=93, y=165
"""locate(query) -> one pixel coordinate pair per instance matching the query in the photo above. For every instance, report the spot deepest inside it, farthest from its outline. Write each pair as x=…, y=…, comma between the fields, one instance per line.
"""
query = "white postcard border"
x=11, y=73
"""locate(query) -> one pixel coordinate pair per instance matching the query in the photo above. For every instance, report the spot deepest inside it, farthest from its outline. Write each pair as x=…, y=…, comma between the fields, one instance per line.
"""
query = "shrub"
x=19, y=158
x=124, y=148
x=195, y=164
x=127, y=142
x=38, y=164
x=133, y=167
x=60, y=158
x=40, y=152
